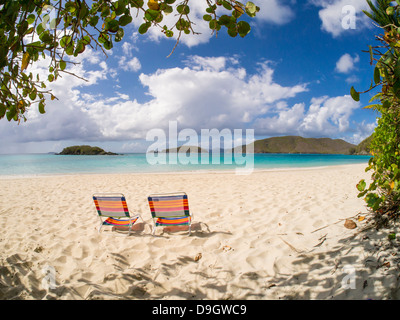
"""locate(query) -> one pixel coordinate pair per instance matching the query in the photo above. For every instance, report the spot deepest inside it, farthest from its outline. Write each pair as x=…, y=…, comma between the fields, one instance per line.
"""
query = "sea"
x=12, y=165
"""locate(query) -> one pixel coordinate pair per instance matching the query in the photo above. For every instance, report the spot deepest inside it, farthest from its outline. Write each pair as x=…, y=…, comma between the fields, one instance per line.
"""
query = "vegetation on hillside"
x=84, y=150
x=296, y=144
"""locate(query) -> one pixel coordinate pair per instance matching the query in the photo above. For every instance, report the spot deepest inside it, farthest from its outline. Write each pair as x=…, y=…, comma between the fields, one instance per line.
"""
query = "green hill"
x=363, y=147
x=84, y=150
x=185, y=149
x=296, y=144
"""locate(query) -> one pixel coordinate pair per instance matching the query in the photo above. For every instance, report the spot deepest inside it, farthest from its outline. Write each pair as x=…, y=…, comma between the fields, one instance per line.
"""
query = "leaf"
x=169, y=33
x=232, y=32
x=80, y=47
x=251, y=9
x=183, y=9
x=372, y=106
x=112, y=25
x=93, y=21
x=25, y=61
x=151, y=15
x=144, y=27
x=70, y=6
x=375, y=97
x=377, y=75
x=69, y=50
x=167, y=9
x=11, y=113
x=243, y=28
x=371, y=55
x=361, y=218
x=354, y=94
x=124, y=20
x=361, y=185
x=207, y=17
x=85, y=40
x=65, y=40
x=32, y=95
x=224, y=19
x=31, y=18
x=41, y=107
x=119, y=35
x=153, y=4
x=3, y=110
x=226, y=5
x=214, y=25
x=108, y=45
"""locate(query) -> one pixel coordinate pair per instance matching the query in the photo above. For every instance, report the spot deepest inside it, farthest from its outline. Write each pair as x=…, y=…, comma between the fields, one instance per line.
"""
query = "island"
x=300, y=145
x=185, y=149
x=85, y=150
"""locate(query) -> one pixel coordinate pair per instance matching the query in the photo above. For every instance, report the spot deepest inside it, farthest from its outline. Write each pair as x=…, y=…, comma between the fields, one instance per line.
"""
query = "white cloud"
x=214, y=92
x=352, y=79
x=326, y=116
x=274, y=11
x=208, y=63
x=346, y=63
x=132, y=64
x=127, y=48
x=211, y=93
x=333, y=15
x=362, y=131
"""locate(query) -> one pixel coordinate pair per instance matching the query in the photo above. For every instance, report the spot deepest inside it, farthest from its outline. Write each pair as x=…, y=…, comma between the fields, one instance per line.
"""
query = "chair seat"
x=173, y=221
x=119, y=222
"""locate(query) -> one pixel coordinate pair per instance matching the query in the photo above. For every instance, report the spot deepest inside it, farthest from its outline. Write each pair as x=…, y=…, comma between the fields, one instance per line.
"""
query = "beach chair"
x=113, y=207
x=170, y=209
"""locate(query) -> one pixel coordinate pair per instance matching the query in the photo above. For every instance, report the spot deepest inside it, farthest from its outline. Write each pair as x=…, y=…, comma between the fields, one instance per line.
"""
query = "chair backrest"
x=164, y=206
x=111, y=205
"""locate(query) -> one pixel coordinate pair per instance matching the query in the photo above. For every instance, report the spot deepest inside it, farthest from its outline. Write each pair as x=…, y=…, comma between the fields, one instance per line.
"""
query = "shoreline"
x=200, y=171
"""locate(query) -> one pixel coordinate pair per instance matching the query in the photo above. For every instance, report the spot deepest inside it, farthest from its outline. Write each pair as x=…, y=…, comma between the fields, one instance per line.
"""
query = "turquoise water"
x=44, y=164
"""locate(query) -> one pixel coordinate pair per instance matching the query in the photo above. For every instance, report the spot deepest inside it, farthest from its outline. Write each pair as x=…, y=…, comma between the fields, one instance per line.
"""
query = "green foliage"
x=296, y=144
x=36, y=29
x=84, y=150
x=383, y=193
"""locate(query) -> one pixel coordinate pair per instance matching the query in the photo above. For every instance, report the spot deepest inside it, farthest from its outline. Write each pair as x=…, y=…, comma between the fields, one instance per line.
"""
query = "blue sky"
x=290, y=76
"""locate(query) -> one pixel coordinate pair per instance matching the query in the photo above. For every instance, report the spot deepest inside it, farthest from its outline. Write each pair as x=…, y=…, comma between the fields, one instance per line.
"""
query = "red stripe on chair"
x=118, y=222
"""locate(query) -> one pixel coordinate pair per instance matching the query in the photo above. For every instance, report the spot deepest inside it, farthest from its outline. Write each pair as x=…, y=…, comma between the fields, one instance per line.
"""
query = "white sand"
x=268, y=235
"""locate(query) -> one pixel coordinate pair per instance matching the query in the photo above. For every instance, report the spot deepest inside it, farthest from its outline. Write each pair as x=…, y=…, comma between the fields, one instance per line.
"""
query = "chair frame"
x=155, y=216
x=117, y=216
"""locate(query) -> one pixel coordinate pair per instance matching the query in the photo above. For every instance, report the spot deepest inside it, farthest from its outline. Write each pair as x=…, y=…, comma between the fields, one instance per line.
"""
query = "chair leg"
x=101, y=225
x=130, y=227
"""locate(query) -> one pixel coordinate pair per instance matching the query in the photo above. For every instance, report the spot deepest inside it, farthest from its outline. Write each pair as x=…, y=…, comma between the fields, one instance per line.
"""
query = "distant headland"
x=85, y=150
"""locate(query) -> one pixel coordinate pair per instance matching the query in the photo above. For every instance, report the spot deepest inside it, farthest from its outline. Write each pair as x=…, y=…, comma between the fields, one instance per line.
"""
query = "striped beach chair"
x=170, y=209
x=113, y=207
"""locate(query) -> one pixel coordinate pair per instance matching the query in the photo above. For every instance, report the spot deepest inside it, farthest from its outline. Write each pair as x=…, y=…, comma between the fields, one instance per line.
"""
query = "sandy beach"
x=268, y=235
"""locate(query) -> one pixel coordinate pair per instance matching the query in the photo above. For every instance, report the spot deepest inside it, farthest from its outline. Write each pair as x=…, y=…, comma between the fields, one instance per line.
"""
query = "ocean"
x=51, y=164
